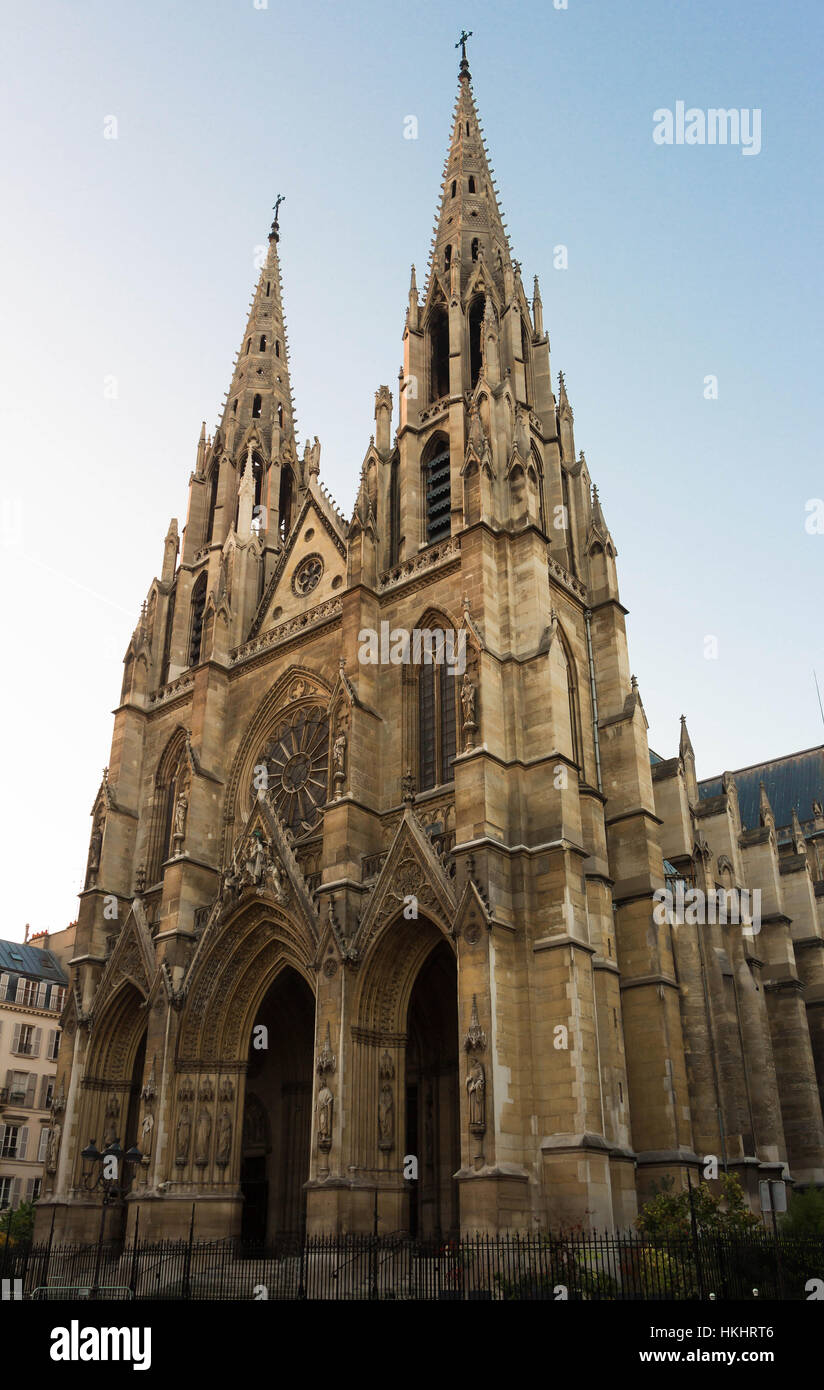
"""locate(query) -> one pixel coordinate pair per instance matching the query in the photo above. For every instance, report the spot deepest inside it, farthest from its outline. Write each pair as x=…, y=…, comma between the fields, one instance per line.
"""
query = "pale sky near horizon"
x=133, y=258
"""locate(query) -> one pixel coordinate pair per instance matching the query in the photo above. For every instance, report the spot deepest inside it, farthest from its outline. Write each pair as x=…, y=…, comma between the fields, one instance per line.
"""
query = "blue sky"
x=133, y=258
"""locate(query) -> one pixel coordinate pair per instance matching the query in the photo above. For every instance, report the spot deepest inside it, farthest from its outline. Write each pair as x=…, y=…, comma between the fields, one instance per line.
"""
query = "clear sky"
x=133, y=258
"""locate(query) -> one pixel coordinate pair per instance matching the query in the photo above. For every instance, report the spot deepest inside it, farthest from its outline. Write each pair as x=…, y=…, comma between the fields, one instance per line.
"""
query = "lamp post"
x=104, y=1170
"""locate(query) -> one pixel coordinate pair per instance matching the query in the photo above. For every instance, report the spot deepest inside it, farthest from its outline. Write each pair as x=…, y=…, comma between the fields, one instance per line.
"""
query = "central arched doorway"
x=278, y=1111
x=432, y=1099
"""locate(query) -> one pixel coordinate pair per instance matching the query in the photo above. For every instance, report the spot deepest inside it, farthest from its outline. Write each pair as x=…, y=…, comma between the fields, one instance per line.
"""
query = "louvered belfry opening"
x=438, y=499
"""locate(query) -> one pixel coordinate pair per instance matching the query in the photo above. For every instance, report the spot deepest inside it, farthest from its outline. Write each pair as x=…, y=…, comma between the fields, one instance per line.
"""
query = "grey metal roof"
x=796, y=780
x=32, y=961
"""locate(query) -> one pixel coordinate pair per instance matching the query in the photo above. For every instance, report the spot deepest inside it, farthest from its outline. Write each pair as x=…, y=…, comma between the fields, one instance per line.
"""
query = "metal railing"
x=530, y=1268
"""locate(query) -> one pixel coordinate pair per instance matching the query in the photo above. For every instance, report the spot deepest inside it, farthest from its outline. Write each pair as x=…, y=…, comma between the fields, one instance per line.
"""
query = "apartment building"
x=32, y=995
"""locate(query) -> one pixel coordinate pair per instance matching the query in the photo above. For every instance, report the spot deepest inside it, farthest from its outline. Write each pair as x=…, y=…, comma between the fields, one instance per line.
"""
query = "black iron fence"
x=551, y=1268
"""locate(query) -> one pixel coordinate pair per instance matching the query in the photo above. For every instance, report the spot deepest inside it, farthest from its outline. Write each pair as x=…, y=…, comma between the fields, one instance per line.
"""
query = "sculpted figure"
x=204, y=1134
x=386, y=1111
x=53, y=1149
x=468, y=700
x=184, y=1135
x=224, y=1138
x=476, y=1086
x=324, y=1107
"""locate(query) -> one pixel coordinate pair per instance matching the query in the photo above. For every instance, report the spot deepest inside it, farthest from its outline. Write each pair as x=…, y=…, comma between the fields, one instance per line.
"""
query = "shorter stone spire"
x=685, y=745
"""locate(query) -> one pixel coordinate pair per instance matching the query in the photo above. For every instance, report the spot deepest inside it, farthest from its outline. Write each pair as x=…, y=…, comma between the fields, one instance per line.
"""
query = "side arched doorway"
x=278, y=1111
x=432, y=1099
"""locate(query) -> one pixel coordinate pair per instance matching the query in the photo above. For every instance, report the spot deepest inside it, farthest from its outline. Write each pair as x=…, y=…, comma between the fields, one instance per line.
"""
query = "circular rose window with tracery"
x=307, y=575
x=297, y=763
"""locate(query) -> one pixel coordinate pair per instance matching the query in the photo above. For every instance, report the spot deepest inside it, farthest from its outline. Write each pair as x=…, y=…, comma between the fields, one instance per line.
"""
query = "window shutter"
x=21, y=989
x=44, y=1143
x=9, y=1079
x=22, y=1141
x=2, y=1137
x=15, y=1042
x=15, y=1194
x=4, y=984
x=35, y=1051
x=31, y=1087
x=44, y=1091
x=42, y=990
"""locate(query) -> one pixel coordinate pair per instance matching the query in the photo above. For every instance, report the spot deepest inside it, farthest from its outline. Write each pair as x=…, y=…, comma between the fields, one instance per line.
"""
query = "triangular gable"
x=280, y=592
x=132, y=959
x=411, y=869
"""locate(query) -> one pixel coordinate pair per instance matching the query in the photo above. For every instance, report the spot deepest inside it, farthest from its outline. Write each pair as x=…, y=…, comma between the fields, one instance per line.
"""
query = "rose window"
x=307, y=575
x=296, y=759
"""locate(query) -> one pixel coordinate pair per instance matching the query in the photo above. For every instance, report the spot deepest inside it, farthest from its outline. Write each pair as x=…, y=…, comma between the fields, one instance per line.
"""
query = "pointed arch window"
x=277, y=347
x=210, y=529
x=285, y=501
x=257, y=404
x=280, y=416
x=527, y=360
x=262, y=342
x=196, y=628
x=447, y=257
x=454, y=187
x=437, y=719
x=437, y=489
x=268, y=287
x=476, y=323
x=475, y=245
x=167, y=640
x=248, y=346
x=471, y=184
x=439, y=355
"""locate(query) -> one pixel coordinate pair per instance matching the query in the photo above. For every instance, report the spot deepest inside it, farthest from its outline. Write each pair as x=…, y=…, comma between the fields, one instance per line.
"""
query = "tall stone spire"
x=469, y=224
x=260, y=395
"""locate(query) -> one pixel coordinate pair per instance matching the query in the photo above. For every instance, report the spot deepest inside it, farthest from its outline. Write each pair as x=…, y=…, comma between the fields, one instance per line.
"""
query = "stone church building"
x=370, y=938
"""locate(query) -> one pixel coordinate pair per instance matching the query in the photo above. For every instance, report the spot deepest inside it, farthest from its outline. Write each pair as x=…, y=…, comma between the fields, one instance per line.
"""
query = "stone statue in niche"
x=386, y=1115
x=324, y=1108
x=112, y=1116
x=147, y=1135
x=224, y=1139
x=204, y=1134
x=53, y=1148
x=184, y=1136
x=95, y=848
x=476, y=1088
x=181, y=811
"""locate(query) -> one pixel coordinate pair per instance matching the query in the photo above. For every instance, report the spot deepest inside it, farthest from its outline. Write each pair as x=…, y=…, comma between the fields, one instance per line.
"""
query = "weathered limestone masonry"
x=367, y=939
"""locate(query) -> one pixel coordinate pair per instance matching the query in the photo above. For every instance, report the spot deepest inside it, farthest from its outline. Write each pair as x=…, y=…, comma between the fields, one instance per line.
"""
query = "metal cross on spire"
x=274, y=229
x=461, y=44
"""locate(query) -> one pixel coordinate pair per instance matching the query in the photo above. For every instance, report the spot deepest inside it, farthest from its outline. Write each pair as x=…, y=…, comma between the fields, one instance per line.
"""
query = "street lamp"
x=97, y=1173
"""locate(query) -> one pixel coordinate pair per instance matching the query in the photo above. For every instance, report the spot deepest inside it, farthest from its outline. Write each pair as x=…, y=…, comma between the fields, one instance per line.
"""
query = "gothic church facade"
x=374, y=940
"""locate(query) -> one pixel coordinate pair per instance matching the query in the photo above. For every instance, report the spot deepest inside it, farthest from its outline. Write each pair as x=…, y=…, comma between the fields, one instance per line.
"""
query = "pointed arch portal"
x=278, y=1111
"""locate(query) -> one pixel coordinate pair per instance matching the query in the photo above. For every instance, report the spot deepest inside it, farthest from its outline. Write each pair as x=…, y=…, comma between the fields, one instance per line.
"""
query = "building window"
x=14, y=1141
x=6, y=1192
x=438, y=494
x=26, y=1040
x=27, y=993
x=262, y=342
x=54, y=1043
x=257, y=404
x=454, y=187
x=475, y=245
x=447, y=257
x=248, y=346
x=471, y=184
x=437, y=724
x=277, y=347
x=34, y=1185
x=198, y=605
